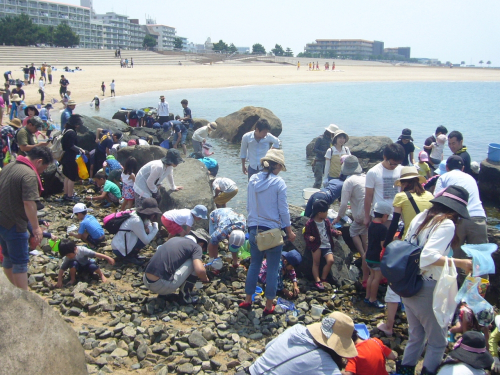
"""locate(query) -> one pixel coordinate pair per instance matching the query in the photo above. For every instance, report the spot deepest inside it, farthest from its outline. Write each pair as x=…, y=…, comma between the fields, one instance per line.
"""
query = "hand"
x=206, y=280
x=465, y=264
x=204, y=140
x=313, y=163
x=335, y=221
x=244, y=169
x=111, y=261
x=296, y=291
x=291, y=236
x=337, y=232
x=496, y=364
x=311, y=238
x=179, y=188
x=156, y=195
x=53, y=238
x=59, y=284
x=38, y=234
x=367, y=220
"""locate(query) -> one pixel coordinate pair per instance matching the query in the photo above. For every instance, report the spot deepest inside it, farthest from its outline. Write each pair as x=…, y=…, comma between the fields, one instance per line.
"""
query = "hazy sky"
x=455, y=30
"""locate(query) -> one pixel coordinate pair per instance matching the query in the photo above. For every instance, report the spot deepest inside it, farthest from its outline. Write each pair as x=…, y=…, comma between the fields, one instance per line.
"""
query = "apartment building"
x=345, y=47
x=121, y=32
x=163, y=34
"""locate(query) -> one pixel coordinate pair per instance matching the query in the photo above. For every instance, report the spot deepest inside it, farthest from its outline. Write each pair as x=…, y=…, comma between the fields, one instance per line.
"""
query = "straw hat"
x=332, y=128
x=15, y=122
x=16, y=98
x=274, y=155
x=335, y=332
x=408, y=173
x=212, y=126
x=340, y=132
x=71, y=102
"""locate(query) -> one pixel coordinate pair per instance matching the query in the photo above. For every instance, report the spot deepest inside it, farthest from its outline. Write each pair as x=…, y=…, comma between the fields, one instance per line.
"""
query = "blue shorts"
x=325, y=251
x=15, y=249
x=183, y=138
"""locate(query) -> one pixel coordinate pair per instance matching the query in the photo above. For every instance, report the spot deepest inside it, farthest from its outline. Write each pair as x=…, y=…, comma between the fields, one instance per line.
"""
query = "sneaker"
x=268, y=312
x=319, y=285
x=133, y=260
x=245, y=305
x=377, y=304
x=106, y=205
x=367, y=301
x=185, y=292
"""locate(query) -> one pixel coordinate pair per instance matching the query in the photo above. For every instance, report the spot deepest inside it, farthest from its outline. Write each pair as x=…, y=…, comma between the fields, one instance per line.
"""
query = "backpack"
x=113, y=222
x=56, y=147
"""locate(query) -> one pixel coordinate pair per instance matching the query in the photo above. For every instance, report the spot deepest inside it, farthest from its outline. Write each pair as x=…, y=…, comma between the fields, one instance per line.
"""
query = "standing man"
x=112, y=87
x=49, y=74
x=19, y=91
x=20, y=186
x=321, y=146
x=26, y=71
x=180, y=133
x=188, y=118
x=32, y=71
x=254, y=146
x=456, y=145
x=66, y=114
x=162, y=110
x=64, y=86
x=25, y=137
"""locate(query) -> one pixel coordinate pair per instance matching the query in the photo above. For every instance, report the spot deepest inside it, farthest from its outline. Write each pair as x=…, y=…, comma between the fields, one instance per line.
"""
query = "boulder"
x=489, y=181
x=34, y=338
x=192, y=175
x=143, y=154
x=112, y=123
x=199, y=122
x=121, y=116
x=233, y=126
x=87, y=132
x=493, y=293
x=369, y=150
x=52, y=180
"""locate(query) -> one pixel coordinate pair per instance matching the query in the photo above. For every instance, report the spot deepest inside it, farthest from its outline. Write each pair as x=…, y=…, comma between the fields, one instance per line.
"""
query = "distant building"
x=120, y=31
x=428, y=61
x=345, y=47
x=398, y=51
x=164, y=35
x=243, y=50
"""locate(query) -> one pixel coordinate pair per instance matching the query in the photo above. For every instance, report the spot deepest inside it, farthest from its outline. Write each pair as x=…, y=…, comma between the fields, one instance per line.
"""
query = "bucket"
x=316, y=311
x=307, y=192
x=494, y=152
x=258, y=292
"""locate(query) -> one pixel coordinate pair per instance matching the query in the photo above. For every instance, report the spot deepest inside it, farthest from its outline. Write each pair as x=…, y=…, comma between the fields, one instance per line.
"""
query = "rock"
x=489, y=181
x=142, y=352
x=87, y=132
x=186, y=368
x=119, y=352
x=129, y=332
x=143, y=154
x=38, y=343
x=493, y=292
x=208, y=334
x=256, y=336
x=196, y=340
x=233, y=126
x=244, y=356
x=199, y=122
x=52, y=180
x=121, y=116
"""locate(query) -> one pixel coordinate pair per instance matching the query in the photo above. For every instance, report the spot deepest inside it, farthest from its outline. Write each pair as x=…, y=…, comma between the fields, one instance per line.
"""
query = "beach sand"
x=84, y=85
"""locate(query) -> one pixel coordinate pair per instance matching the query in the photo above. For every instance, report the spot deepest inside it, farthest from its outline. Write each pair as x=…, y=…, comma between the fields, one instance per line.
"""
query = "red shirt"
x=370, y=359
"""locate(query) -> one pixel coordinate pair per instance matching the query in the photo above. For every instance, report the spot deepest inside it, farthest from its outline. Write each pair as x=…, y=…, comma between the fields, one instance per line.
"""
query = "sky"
x=453, y=31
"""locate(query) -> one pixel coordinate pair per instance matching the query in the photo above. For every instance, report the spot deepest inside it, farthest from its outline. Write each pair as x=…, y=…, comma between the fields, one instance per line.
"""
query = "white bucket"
x=316, y=311
x=307, y=192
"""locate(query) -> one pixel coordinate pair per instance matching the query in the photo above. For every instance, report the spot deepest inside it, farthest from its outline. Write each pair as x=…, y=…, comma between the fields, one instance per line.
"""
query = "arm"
x=98, y=135
x=465, y=264
x=132, y=176
x=99, y=197
x=411, y=158
x=186, y=229
x=217, y=192
x=284, y=212
x=153, y=176
x=276, y=142
x=244, y=154
x=327, y=168
x=26, y=148
x=493, y=342
x=140, y=231
x=60, y=278
x=108, y=151
x=393, y=228
x=200, y=271
x=105, y=257
x=368, y=204
x=344, y=200
x=307, y=234
x=30, y=209
x=439, y=186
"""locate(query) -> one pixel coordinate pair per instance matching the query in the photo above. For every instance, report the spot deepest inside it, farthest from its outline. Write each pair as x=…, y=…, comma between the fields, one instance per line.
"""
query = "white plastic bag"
x=443, y=302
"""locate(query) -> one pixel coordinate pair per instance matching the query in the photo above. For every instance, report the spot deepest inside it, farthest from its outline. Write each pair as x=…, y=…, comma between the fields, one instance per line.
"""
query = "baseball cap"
x=79, y=207
x=293, y=257
x=43, y=118
x=200, y=211
x=455, y=162
x=236, y=239
x=423, y=156
x=383, y=208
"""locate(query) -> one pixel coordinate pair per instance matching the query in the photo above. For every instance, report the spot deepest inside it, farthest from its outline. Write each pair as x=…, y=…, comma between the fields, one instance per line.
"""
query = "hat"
x=423, y=156
x=319, y=206
x=162, y=96
x=132, y=142
x=141, y=113
x=15, y=122
x=43, y=118
x=455, y=162
x=49, y=106
x=340, y=132
x=149, y=207
x=16, y=98
x=383, y=208
x=213, y=125
x=236, y=239
x=71, y=102
x=406, y=134
x=441, y=170
x=351, y=166
x=79, y=207
x=274, y=155
x=293, y=257
x=36, y=121
x=110, y=157
x=173, y=157
x=471, y=349
x=441, y=138
x=332, y=128
x=335, y=332
x=201, y=235
x=454, y=197
x=475, y=167
x=191, y=238
x=200, y=211
x=485, y=317
x=408, y=173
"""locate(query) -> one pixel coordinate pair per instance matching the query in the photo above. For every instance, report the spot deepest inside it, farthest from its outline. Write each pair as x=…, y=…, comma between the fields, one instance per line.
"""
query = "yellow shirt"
x=408, y=212
x=423, y=169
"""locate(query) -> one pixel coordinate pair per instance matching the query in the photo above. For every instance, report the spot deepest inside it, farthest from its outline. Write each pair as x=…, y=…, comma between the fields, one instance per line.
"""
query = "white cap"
x=191, y=238
x=383, y=208
x=236, y=239
x=77, y=208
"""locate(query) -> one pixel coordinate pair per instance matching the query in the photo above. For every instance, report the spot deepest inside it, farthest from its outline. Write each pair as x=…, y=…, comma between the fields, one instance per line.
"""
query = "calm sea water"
x=368, y=108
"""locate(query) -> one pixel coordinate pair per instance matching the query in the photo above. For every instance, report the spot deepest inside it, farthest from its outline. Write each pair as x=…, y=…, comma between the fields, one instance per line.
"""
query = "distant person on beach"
x=456, y=145
x=333, y=65
x=96, y=102
x=254, y=146
x=333, y=155
x=41, y=90
x=310, y=66
x=317, y=65
x=6, y=76
x=71, y=151
x=131, y=62
x=66, y=98
x=68, y=111
x=200, y=136
x=103, y=88
x=49, y=74
x=298, y=65
x=406, y=141
x=112, y=87
x=32, y=71
x=43, y=74
x=19, y=91
x=321, y=146
x=6, y=97
x=26, y=71
x=63, y=82
x=180, y=133
x=162, y=110
x=188, y=117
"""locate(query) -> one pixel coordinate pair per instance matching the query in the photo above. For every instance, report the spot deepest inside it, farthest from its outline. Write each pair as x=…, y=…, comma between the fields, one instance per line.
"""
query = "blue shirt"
x=224, y=221
x=209, y=162
x=187, y=112
x=105, y=142
x=178, y=127
x=65, y=115
x=113, y=164
x=90, y=225
x=254, y=150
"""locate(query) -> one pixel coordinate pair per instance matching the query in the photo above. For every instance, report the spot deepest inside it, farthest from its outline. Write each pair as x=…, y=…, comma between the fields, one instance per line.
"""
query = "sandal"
x=268, y=312
x=381, y=327
x=245, y=305
x=319, y=285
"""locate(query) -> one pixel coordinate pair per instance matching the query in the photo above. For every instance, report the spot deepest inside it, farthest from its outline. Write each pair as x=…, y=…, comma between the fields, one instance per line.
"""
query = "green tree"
x=462, y=62
x=220, y=46
x=278, y=50
x=18, y=31
x=488, y=63
x=178, y=44
x=288, y=52
x=46, y=34
x=481, y=62
x=232, y=48
x=149, y=42
x=64, y=36
x=258, y=49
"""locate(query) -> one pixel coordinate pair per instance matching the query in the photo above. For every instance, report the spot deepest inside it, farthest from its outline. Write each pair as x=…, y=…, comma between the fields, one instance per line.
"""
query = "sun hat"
x=383, y=208
x=149, y=207
x=406, y=134
x=408, y=173
x=475, y=167
x=71, y=102
x=236, y=239
x=36, y=121
x=454, y=197
x=471, y=349
x=173, y=157
x=274, y=155
x=16, y=98
x=335, y=332
x=213, y=125
x=454, y=162
x=441, y=170
x=200, y=211
x=15, y=122
x=351, y=166
x=340, y=132
x=441, y=138
x=78, y=208
x=293, y=257
x=332, y=128
x=319, y=206
x=423, y=156
x=201, y=235
x=191, y=238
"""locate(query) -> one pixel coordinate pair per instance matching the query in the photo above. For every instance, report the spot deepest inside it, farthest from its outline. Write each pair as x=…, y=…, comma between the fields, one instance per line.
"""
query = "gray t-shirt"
x=171, y=255
x=325, y=242
x=83, y=256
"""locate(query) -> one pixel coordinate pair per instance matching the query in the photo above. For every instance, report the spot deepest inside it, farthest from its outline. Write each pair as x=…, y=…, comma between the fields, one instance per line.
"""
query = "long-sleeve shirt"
x=493, y=341
x=254, y=150
x=200, y=134
x=131, y=230
x=321, y=145
x=151, y=175
x=163, y=109
x=353, y=191
x=65, y=115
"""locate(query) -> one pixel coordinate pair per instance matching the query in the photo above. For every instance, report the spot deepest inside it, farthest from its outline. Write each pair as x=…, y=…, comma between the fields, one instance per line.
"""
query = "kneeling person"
x=90, y=230
x=111, y=193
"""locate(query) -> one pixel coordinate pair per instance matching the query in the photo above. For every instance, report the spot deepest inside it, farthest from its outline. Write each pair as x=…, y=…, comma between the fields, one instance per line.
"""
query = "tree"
x=64, y=36
x=149, y=42
x=277, y=50
x=232, y=48
x=178, y=44
x=220, y=46
x=462, y=62
x=18, y=31
x=488, y=63
x=258, y=49
x=288, y=52
x=46, y=34
x=481, y=62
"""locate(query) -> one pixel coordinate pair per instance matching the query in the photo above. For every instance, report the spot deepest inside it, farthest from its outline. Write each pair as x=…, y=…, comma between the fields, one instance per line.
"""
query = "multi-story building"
x=163, y=34
x=121, y=32
x=398, y=51
x=343, y=47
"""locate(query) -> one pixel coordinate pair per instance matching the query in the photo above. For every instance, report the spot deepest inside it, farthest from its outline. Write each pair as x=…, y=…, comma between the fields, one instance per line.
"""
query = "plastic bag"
x=83, y=172
x=285, y=304
x=469, y=293
x=445, y=292
x=482, y=262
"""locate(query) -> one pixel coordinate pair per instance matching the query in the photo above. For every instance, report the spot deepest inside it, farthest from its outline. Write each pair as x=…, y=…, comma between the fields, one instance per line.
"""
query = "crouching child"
x=90, y=230
x=111, y=193
x=289, y=260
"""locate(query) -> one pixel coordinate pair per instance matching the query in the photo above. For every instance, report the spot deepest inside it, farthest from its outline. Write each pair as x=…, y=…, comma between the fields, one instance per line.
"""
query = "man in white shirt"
x=162, y=110
x=254, y=146
x=474, y=230
x=225, y=189
x=112, y=87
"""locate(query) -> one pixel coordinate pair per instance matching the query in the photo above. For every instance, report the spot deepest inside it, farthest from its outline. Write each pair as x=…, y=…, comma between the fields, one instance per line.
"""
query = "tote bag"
x=445, y=292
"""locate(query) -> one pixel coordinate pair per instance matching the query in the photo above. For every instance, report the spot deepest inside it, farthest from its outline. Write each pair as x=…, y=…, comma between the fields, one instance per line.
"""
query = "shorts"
x=172, y=227
x=325, y=251
x=357, y=229
x=133, y=122
x=375, y=266
x=26, y=77
x=183, y=138
x=128, y=192
x=14, y=249
x=90, y=267
x=62, y=90
x=95, y=242
x=112, y=198
x=224, y=197
x=69, y=168
x=390, y=296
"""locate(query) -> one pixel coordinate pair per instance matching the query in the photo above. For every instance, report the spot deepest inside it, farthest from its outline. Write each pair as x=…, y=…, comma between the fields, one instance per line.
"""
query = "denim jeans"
x=273, y=257
x=14, y=249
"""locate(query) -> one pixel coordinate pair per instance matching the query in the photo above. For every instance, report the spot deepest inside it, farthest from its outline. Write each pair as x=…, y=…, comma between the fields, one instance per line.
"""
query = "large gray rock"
x=143, y=154
x=52, y=180
x=493, y=293
x=233, y=126
x=34, y=339
x=199, y=122
x=87, y=132
x=489, y=181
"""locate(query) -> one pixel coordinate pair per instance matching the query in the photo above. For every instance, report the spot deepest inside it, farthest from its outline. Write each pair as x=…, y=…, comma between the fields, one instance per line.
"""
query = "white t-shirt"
x=460, y=369
x=382, y=181
x=180, y=217
x=127, y=180
x=325, y=242
x=437, y=151
x=41, y=84
x=343, y=151
x=225, y=185
x=112, y=85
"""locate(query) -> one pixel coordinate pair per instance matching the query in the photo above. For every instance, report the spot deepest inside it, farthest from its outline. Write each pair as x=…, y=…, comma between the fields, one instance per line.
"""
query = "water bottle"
x=217, y=264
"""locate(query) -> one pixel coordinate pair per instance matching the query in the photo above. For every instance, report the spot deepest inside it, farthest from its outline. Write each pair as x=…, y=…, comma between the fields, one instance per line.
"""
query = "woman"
x=69, y=144
x=136, y=232
x=315, y=349
x=434, y=230
x=469, y=357
x=200, y=136
x=412, y=193
x=267, y=209
x=333, y=155
x=30, y=111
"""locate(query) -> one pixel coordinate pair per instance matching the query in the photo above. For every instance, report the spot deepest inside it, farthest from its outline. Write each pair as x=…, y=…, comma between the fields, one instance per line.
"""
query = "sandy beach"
x=84, y=85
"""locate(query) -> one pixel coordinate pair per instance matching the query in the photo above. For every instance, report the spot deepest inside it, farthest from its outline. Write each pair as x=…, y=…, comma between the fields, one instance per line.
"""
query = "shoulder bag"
x=270, y=238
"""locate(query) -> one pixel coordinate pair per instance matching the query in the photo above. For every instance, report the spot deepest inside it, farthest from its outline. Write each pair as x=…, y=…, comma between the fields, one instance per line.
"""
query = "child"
x=90, y=230
x=96, y=102
x=470, y=321
x=111, y=164
x=110, y=192
x=438, y=149
x=112, y=87
x=318, y=235
x=128, y=179
x=423, y=167
x=103, y=88
x=188, y=117
x=41, y=90
x=179, y=222
x=289, y=260
x=77, y=259
x=377, y=232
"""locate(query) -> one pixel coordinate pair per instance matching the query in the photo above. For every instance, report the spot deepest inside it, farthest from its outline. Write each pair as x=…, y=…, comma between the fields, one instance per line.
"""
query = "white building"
x=121, y=32
x=163, y=34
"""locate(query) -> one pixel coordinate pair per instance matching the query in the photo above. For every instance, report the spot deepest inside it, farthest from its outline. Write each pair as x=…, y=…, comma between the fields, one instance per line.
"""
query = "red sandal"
x=268, y=312
x=245, y=305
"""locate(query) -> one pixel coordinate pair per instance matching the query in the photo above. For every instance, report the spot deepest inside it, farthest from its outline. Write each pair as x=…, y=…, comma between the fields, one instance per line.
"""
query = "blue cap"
x=442, y=168
x=141, y=113
x=200, y=211
x=293, y=257
x=43, y=118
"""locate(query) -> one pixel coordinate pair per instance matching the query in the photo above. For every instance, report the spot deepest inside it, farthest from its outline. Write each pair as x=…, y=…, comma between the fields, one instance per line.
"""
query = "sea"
x=358, y=108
